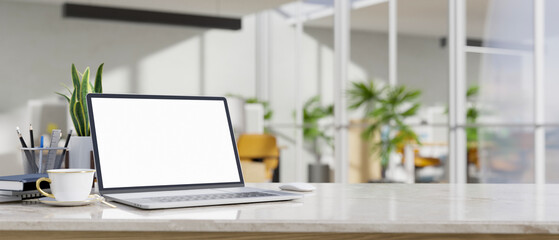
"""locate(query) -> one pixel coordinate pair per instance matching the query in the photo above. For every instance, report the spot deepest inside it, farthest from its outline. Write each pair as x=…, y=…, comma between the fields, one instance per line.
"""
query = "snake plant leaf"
x=78, y=113
x=67, y=88
x=90, y=86
x=77, y=99
x=75, y=79
x=73, y=100
x=86, y=88
x=66, y=97
x=98, y=87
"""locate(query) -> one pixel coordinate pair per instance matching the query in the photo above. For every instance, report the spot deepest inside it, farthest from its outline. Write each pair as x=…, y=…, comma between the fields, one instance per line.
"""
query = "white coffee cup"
x=68, y=184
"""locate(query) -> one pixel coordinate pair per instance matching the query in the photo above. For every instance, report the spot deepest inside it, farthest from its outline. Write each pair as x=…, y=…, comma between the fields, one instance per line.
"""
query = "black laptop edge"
x=97, y=161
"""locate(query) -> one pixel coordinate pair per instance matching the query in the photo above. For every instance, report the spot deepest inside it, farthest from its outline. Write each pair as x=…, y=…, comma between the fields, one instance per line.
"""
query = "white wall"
x=37, y=47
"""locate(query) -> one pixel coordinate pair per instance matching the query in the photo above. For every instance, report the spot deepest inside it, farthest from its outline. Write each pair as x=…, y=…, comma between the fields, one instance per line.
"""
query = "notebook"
x=154, y=151
x=24, y=182
x=12, y=196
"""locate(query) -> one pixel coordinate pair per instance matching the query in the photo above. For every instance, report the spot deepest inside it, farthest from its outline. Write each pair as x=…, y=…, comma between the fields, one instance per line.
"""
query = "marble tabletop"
x=354, y=208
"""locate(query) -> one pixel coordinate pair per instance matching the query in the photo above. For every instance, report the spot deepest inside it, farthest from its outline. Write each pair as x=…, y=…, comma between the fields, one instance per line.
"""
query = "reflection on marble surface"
x=208, y=214
x=331, y=207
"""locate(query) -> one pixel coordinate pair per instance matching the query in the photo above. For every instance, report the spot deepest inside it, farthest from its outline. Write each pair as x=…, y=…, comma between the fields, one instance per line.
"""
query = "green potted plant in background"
x=233, y=102
x=472, y=113
x=386, y=110
x=268, y=113
x=81, y=145
x=315, y=137
x=472, y=132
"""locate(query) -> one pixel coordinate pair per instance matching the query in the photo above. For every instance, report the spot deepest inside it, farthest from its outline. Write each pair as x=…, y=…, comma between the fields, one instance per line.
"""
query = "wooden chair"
x=257, y=152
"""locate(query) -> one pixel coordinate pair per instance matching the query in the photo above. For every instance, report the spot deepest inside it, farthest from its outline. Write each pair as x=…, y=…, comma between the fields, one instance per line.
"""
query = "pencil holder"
x=39, y=160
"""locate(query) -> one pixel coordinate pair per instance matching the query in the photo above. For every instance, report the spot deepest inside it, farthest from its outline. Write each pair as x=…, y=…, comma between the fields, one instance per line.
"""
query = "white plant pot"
x=80, y=152
x=254, y=118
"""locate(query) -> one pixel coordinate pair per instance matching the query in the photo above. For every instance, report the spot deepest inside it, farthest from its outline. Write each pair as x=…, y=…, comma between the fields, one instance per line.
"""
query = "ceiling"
x=226, y=8
x=415, y=17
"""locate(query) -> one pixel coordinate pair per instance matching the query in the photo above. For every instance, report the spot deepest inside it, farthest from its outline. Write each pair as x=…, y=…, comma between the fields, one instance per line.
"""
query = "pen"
x=31, y=136
x=28, y=154
x=58, y=162
x=41, y=153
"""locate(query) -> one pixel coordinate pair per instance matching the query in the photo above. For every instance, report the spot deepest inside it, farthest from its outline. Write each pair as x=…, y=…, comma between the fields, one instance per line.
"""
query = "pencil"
x=58, y=162
x=28, y=154
x=31, y=136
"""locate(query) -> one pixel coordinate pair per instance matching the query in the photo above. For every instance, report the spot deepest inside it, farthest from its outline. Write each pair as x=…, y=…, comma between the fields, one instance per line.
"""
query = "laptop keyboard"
x=209, y=196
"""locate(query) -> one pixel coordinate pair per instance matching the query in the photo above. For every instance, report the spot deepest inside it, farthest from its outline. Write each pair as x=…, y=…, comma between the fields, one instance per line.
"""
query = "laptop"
x=155, y=152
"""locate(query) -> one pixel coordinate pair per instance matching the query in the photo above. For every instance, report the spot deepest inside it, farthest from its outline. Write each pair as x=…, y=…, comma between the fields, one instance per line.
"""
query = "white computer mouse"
x=298, y=186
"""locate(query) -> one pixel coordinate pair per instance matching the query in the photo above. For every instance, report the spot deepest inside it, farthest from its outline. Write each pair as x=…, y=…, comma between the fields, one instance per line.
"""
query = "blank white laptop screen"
x=154, y=142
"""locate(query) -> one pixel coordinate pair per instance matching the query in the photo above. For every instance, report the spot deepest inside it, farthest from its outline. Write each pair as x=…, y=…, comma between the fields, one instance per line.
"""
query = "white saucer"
x=53, y=202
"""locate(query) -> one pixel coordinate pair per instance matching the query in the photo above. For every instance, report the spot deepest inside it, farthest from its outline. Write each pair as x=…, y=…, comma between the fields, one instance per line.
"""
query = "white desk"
x=333, y=211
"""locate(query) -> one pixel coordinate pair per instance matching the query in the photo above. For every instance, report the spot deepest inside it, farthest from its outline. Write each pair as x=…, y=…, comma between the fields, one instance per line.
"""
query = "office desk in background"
x=333, y=211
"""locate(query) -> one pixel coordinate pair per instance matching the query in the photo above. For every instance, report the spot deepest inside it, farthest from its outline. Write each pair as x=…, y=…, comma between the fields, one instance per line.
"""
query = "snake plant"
x=77, y=100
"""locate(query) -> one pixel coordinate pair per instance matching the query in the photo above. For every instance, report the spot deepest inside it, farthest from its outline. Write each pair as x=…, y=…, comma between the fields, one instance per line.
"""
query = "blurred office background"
x=285, y=54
